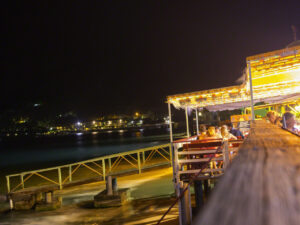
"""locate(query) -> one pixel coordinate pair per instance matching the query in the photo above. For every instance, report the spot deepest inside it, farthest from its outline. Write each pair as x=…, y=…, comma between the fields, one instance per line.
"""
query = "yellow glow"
x=275, y=73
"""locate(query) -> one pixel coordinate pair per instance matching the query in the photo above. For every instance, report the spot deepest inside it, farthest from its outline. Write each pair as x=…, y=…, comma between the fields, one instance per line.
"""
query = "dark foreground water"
x=28, y=153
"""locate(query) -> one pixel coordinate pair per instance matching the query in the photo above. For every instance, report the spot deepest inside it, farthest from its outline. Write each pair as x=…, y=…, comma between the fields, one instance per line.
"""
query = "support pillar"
x=170, y=122
x=197, y=121
x=198, y=193
x=251, y=93
x=109, y=190
x=185, y=203
x=187, y=123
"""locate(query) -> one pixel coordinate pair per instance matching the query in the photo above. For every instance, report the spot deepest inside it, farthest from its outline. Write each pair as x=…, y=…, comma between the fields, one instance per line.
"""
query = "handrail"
x=90, y=160
x=121, y=155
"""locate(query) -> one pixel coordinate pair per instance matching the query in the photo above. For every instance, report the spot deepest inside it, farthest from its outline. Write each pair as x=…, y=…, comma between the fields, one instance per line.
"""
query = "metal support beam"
x=251, y=93
x=170, y=122
x=109, y=164
x=143, y=157
x=187, y=123
x=103, y=168
x=22, y=180
x=197, y=121
x=59, y=178
x=8, y=184
x=70, y=173
x=139, y=162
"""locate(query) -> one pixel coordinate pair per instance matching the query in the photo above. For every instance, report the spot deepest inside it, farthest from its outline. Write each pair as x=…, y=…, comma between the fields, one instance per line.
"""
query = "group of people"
x=226, y=132
x=287, y=121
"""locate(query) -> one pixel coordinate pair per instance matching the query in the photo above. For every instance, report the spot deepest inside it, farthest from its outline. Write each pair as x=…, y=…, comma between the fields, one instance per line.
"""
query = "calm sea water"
x=20, y=153
x=27, y=153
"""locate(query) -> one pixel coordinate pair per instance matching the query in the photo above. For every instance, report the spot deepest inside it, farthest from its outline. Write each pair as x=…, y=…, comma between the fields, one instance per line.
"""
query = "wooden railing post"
x=103, y=168
x=225, y=155
x=139, y=162
x=70, y=173
x=59, y=178
x=185, y=203
x=8, y=184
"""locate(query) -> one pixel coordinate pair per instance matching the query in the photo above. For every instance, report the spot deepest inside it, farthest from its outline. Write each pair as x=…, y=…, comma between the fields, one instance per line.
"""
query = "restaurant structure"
x=272, y=78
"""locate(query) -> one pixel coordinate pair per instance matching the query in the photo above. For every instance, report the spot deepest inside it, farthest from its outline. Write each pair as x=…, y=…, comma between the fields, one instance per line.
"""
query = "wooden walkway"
x=262, y=185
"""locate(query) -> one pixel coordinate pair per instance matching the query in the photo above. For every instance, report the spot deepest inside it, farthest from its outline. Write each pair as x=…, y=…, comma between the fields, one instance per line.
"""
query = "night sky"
x=98, y=57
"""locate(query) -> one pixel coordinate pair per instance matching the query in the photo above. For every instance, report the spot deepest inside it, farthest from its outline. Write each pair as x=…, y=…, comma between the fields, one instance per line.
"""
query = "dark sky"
x=112, y=56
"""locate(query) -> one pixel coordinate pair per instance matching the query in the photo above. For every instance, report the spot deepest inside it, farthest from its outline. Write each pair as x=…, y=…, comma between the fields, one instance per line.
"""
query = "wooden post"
x=11, y=203
x=48, y=197
x=70, y=173
x=114, y=184
x=185, y=202
x=59, y=178
x=8, y=184
x=225, y=155
x=206, y=188
x=103, y=168
x=198, y=193
x=22, y=180
x=109, y=190
x=139, y=162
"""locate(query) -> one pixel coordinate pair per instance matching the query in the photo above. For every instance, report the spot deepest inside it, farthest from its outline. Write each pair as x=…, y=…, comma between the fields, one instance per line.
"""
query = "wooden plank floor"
x=262, y=185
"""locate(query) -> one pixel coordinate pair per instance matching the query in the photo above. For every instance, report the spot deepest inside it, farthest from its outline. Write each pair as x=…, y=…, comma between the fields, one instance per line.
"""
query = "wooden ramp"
x=262, y=185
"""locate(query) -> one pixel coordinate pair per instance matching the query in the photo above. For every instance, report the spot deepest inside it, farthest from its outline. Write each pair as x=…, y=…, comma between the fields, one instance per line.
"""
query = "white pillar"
x=187, y=123
x=197, y=122
x=170, y=123
x=251, y=93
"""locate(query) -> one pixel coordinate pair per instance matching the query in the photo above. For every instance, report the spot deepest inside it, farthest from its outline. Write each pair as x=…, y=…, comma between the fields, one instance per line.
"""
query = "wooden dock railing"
x=262, y=185
x=59, y=176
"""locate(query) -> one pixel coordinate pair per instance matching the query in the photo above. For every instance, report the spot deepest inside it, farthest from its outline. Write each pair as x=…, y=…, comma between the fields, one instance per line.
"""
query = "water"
x=28, y=153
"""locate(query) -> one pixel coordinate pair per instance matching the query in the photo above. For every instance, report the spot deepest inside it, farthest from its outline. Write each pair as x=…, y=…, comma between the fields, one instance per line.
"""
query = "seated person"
x=235, y=132
x=273, y=118
x=202, y=131
x=226, y=135
x=211, y=134
x=289, y=122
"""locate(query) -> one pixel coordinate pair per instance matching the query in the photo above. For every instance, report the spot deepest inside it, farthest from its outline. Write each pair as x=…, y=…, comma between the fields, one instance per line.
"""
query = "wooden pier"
x=262, y=185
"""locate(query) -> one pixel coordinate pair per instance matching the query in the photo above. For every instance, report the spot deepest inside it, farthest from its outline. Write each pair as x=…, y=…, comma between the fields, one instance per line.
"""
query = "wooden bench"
x=196, y=154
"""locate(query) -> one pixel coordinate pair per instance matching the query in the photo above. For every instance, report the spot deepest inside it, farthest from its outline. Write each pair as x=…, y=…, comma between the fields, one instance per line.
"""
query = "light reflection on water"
x=57, y=150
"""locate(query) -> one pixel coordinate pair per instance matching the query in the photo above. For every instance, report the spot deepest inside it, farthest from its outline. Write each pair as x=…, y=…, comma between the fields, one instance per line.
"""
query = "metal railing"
x=135, y=160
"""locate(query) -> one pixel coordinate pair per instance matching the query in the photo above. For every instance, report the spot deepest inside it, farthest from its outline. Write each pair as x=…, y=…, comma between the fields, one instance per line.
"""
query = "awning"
x=275, y=78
